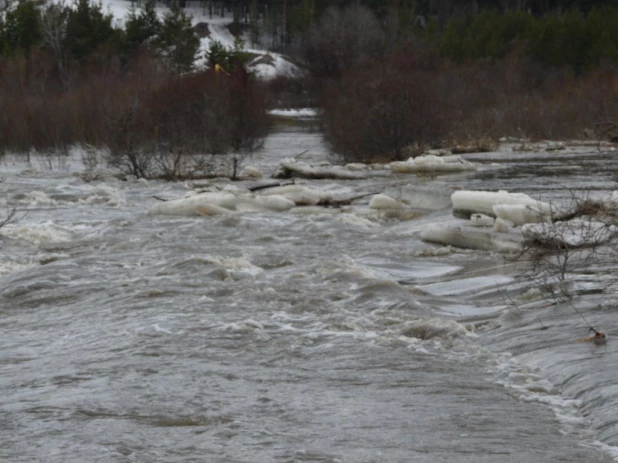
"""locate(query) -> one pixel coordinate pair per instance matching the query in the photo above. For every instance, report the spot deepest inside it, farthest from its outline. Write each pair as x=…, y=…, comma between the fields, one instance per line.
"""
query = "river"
x=283, y=337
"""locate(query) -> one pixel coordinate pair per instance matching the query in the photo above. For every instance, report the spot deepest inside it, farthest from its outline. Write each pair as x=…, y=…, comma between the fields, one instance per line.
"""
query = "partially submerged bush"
x=581, y=237
x=153, y=121
x=186, y=118
x=374, y=113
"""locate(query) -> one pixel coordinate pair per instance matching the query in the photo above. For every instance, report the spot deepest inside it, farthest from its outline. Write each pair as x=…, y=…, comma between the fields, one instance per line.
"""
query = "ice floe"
x=382, y=201
x=430, y=163
x=504, y=221
x=466, y=202
x=300, y=194
x=470, y=237
x=289, y=168
x=277, y=199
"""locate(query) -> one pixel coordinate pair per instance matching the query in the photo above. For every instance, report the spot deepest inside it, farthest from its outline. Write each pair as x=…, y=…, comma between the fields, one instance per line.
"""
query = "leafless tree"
x=126, y=144
x=53, y=27
x=342, y=39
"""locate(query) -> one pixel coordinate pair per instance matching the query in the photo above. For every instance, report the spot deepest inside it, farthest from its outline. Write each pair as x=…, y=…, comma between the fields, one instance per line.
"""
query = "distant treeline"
x=83, y=33
x=580, y=34
x=387, y=76
x=572, y=39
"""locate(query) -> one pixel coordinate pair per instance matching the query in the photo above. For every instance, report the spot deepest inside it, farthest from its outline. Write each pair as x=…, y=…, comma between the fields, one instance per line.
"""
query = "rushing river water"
x=287, y=337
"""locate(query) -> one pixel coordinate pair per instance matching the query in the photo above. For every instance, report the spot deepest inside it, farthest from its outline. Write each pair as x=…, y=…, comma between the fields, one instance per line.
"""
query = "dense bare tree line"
x=384, y=92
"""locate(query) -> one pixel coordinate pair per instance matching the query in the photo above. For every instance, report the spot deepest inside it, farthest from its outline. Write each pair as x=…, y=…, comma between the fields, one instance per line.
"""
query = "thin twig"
x=300, y=154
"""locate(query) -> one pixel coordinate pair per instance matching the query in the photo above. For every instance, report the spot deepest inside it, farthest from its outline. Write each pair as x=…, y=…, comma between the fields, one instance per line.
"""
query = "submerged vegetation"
x=390, y=78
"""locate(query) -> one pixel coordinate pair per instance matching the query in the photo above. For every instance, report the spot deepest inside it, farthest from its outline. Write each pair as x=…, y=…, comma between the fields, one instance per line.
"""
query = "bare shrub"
x=575, y=241
x=516, y=97
x=12, y=214
x=126, y=144
x=374, y=114
x=173, y=129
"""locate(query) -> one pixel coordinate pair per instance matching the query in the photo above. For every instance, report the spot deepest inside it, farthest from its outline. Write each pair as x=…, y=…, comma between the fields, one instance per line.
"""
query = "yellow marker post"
x=219, y=69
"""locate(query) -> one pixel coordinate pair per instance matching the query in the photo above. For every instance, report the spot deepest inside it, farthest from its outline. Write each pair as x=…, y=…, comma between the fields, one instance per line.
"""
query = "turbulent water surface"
x=290, y=337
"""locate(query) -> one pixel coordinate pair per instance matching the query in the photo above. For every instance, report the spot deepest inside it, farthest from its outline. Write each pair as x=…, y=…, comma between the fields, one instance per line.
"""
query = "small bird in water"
x=598, y=337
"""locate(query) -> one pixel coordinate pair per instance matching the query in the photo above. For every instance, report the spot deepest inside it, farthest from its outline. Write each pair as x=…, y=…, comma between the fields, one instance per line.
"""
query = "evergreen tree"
x=87, y=28
x=22, y=26
x=602, y=33
x=178, y=39
x=141, y=27
x=457, y=42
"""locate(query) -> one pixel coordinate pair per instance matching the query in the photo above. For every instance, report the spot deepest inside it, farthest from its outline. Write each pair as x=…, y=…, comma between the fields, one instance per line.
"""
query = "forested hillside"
x=390, y=77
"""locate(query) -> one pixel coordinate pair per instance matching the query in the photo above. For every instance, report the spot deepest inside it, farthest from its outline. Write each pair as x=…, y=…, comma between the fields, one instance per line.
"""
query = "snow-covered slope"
x=273, y=64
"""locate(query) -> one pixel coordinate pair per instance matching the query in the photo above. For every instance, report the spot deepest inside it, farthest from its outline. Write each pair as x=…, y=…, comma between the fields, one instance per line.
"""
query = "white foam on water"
x=35, y=199
x=8, y=266
x=106, y=195
x=528, y=386
x=357, y=220
x=159, y=329
x=36, y=235
x=247, y=326
x=236, y=268
x=345, y=266
x=611, y=450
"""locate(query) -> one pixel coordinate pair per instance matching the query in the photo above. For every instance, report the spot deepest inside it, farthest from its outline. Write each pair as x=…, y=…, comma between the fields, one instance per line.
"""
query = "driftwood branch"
x=300, y=154
x=269, y=185
x=344, y=202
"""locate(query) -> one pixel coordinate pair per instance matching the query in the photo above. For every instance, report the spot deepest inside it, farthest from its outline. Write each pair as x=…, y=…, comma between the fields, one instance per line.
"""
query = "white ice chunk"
x=381, y=201
x=292, y=168
x=432, y=163
x=519, y=214
x=277, y=203
x=358, y=166
x=188, y=206
x=481, y=220
x=502, y=226
x=300, y=194
x=211, y=209
x=252, y=172
x=210, y=203
x=484, y=201
x=471, y=237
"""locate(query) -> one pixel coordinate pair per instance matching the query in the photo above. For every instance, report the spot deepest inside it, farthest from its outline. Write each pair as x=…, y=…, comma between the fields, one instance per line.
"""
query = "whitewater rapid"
x=278, y=336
